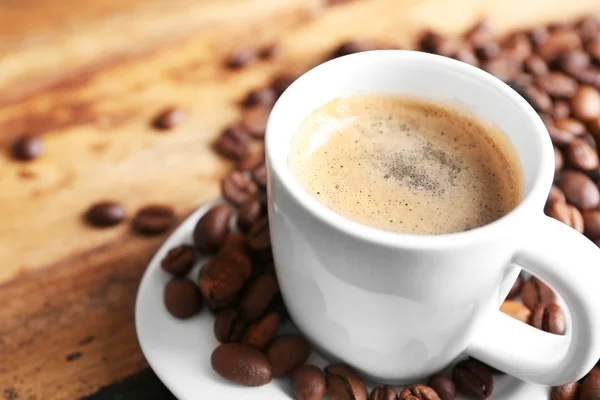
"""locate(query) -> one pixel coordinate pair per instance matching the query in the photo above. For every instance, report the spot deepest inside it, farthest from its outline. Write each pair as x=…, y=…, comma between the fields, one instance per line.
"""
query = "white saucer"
x=179, y=351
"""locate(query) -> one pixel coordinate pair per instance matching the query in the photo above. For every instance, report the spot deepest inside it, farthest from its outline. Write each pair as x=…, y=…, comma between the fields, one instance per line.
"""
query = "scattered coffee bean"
x=537, y=98
x=516, y=46
x=249, y=212
x=281, y=83
x=351, y=47
x=557, y=84
x=168, y=118
x=270, y=52
x=473, y=378
x=594, y=126
x=585, y=104
x=573, y=60
x=241, y=364
x=559, y=137
x=154, y=219
x=581, y=155
x=572, y=125
x=466, y=55
x=105, y=214
x=229, y=327
x=182, y=298
x=565, y=392
x=179, y=260
x=222, y=278
x=516, y=288
x=259, y=174
x=507, y=69
x=27, y=148
x=516, y=310
x=592, y=224
x=250, y=161
x=480, y=33
x=559, y=161
x=536, y=293
x=593, y=49
x=287, y=353
x=561, y=109
x=537, y=36
x=343, y=383
x=567, y=214
x=549, y=319
x=259, y=237
x=431, y=42
x=257, y=297
x=308, y=383
x=260, y=97
x=443, y=386
x=234, y=243
x=237, y=187
x=418, y=392
x=254, y=121
x=383, y=393
x=556, y=195
x=579, y=189
x=240, y=58
x=212, y=228
x=589, y=389
x=234, y=142
x=535, y=65
x=557, y=43
x=263, y=332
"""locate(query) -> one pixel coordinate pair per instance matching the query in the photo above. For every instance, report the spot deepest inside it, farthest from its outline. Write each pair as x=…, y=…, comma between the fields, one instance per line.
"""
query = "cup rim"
x=532, y=199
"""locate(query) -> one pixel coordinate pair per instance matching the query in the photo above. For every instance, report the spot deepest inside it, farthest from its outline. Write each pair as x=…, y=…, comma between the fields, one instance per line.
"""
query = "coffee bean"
x=260, y=97
x=587, y=76
x=565, y=392
x=549, y=319
x=254, y=121
x=105, y=214
x=567, y=214
x=344, y=384
x=593, y=49
x=557, y=84
x=237, y=187
x=287, y=353
x=308, y=383
x=535, y=294
x=537, y=98
x=572, y=125
x=257, y=297
x=516, y=46
x=182, y=298
x=559, y=137
x=557, y=43
x=466, y=55
x=179, y=260
x=443, y=386
x=383, y=393
x=592, y=224
x=486, y=51
x=168, y=118
x=222, y=278
x=579, y=189
x=259, y=174
x=229, y=327
x=353, y=46
x=241, y=364
x=537, y=35
x=212, y=228
x=432, y=42
x=535, y=65
x=259, y=237
x=418, y=392
x=234, y=243
x=250, y=161
x=27, y=148
x=559, y=161
x=233, y=142
x=473, y=378
x=263, y=332
x=556, y=195
x=516, y=288
x=516, y=310
x=573, y=60
x=507, y=69
x=585, y=104
x=589, y=389
x=561, y=109
x=240, y=58
x=270, y=51
x=480, y=33
x=248, y=214
x=581, y=155
x=154, y=219
x=281, y=83
x=588, y=28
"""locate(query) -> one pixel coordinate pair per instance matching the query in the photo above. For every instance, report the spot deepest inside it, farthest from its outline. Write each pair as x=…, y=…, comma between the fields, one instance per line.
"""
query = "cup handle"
x=569, y=263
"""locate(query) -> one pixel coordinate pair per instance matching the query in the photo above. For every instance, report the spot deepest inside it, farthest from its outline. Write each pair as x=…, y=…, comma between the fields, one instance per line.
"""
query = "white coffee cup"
x=400, y=307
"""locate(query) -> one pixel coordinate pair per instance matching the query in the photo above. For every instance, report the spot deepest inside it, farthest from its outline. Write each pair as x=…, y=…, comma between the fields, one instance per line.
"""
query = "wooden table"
x=89, y=76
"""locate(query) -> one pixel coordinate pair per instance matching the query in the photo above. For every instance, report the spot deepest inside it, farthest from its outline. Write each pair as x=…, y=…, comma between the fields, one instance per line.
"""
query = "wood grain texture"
x=89, y=78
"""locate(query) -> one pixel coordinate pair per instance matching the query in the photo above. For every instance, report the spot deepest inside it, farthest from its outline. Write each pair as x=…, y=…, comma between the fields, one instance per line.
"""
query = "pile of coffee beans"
x=555, y=68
